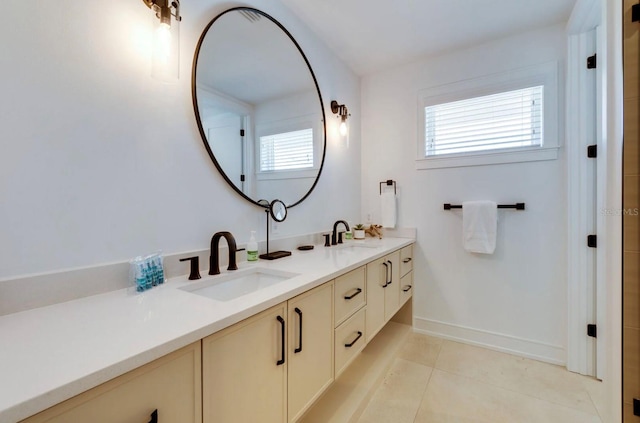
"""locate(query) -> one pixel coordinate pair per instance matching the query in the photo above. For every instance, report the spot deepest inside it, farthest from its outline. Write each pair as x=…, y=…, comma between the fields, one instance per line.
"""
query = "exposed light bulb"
x=343, y=128
x=163, y=43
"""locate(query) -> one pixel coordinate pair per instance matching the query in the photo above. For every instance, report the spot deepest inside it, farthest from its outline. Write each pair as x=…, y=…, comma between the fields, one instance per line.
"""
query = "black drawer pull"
x=406, y=288
x=154, y=417
x=349, y=297
x=281, y=320
x=391, y=272
x=407, y=260
x=386, y=274
x=354, y=341
x=299, y=313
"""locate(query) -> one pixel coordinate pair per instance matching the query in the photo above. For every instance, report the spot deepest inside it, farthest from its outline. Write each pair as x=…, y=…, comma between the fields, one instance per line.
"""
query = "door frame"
x=585, y=302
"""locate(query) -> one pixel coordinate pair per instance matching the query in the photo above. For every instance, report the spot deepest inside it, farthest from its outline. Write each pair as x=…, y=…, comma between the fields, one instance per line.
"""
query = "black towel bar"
x=517, y=206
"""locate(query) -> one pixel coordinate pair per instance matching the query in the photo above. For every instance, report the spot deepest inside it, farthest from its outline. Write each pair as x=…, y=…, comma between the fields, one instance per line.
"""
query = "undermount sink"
x=234, y=285
x=358, y=244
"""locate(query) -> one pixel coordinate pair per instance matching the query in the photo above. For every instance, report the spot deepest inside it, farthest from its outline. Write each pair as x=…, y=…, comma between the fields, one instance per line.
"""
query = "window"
x=507, y=117
x=511, y=119
x=287, y=151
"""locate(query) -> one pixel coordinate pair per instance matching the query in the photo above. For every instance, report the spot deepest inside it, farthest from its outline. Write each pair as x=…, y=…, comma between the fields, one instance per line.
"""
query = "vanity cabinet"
x=273, y=366
x=350, y=294
x=383, y=292
x=350, y=299
x=406, y=274
x=244, y=370
x=270, y=367
x=310, y=358
x=169, y=386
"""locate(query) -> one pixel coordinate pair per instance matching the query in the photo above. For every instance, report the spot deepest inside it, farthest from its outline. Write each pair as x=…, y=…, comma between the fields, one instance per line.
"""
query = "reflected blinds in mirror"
x=286, y=151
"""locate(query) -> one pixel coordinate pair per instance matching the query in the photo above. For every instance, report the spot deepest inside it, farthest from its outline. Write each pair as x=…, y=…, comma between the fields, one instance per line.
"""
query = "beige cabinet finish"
x=406, y=260
x=392, y=292
x=406, y=287
x=383, y=292
x=310, y=357
x=270, y=367
x=242, y=380
x=171, y=385
x=350, y=340
x=350, y=294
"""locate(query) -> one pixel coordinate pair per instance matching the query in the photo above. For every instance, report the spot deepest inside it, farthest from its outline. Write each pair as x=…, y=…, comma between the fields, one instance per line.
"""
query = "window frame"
x=544, y=74
x=281, y=127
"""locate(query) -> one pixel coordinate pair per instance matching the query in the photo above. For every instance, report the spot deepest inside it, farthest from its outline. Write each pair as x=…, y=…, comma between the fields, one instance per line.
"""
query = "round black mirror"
x=258, y=107
x=278, y=210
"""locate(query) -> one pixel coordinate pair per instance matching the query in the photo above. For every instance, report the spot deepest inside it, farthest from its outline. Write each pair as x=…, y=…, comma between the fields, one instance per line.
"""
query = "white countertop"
x=50, y=354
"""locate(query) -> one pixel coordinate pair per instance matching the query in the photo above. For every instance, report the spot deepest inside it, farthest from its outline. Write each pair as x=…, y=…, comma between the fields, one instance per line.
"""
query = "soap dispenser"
x=252, y=248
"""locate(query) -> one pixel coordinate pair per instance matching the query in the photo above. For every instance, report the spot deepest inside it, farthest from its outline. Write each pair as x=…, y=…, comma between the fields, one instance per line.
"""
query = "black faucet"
x=335, y=240
x=214, y=261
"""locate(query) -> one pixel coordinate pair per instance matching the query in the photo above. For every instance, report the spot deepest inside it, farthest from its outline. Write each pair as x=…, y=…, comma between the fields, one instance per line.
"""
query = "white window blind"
x=511, y=119
x=286, y=151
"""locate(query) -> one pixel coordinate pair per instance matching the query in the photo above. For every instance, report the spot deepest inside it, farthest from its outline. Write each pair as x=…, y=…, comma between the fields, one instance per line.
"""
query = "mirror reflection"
x=278, y=211
x=258, y=107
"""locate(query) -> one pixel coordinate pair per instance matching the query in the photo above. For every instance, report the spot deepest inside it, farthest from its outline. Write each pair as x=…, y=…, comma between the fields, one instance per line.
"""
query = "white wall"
x=514, y=300
x=99, y=162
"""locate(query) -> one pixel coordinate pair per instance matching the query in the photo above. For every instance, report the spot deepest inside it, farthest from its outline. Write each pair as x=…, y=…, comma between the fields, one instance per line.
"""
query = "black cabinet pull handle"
x=281, y=320
x=391, y=272
x=354, y=341
x=349, y=297
x=154, y=417
x=299, y=313
x=406, y=288
x=386, y=274
x=407, y=260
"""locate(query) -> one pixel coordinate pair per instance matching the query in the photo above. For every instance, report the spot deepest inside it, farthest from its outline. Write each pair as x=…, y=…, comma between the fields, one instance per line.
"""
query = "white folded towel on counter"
x=388, y=209
x=479, y=226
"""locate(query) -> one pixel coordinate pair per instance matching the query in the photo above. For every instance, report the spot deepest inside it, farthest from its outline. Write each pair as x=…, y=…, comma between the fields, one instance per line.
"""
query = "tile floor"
x=433, y=381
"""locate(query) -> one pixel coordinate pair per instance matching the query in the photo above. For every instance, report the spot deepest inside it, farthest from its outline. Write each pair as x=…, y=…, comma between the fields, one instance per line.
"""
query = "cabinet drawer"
x=171, y=385
x=406, y=287
x=349, y=294
x=349, y=341
x=406, y=260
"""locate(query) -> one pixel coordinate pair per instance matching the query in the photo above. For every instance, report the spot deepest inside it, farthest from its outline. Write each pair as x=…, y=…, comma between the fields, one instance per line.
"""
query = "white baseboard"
x=528, y=348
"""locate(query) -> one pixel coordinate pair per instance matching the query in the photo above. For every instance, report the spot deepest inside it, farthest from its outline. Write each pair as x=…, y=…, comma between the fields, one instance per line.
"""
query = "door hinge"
x=635, y=17
x=592, y=331
x=591, y=62
x=592, y=151
x=636, y=407
x=592, y=241
x=241, y=178
x=242, y=132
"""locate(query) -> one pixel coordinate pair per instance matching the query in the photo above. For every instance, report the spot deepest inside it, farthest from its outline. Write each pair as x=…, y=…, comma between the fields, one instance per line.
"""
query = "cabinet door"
x=170, y=386
x=392, y=291
x=245, y=370
x=377, y=280
x=310, y=362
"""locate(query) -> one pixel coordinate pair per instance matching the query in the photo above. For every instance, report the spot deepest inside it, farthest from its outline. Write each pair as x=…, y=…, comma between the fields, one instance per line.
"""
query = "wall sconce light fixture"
x=165, y=59
x=343, y=113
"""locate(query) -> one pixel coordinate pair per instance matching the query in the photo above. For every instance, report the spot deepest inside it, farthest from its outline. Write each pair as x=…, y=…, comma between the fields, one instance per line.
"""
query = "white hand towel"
x=479, y=226
x=388, y=209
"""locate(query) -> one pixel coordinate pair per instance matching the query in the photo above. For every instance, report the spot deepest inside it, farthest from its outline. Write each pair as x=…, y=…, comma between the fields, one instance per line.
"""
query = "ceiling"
x=372, y=35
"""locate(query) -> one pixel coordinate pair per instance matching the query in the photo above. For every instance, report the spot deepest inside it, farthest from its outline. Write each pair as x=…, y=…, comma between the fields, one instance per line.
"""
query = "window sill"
x=287, y=174
x=487, y=158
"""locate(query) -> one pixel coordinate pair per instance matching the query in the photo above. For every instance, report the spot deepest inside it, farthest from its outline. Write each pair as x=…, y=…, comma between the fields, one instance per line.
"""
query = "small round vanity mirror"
x=278, y=210
x=258, y=107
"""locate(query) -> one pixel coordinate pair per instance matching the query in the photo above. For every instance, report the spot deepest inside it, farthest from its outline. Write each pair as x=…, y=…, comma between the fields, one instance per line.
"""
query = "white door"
x=225, y=139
